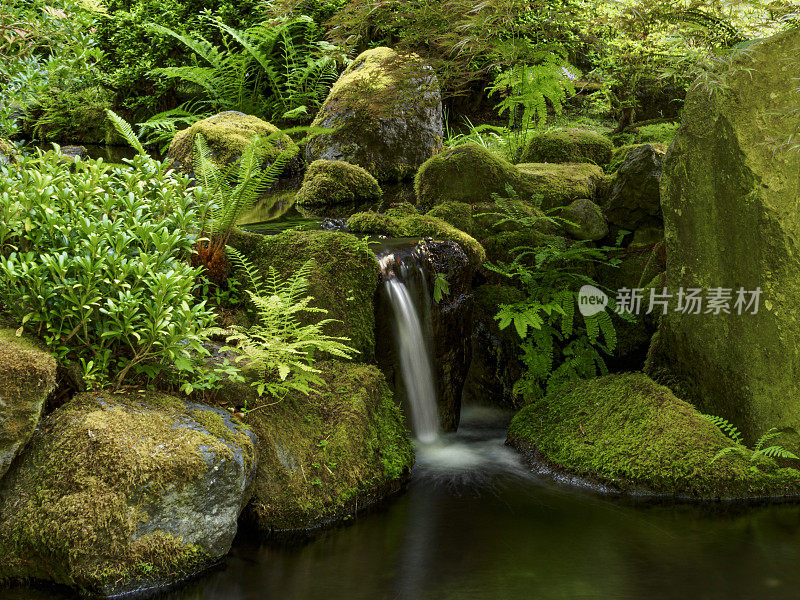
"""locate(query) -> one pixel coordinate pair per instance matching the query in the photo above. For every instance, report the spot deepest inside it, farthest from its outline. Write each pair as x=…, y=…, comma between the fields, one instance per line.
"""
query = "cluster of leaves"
x=94, y=263
x=282, y=343
x=764, y=445
x=557, y=344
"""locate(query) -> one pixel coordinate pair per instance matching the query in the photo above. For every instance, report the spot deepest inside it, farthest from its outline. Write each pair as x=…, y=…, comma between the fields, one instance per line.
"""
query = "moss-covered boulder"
x=635, y=199
x=405, y=221
x=117, y=493
x=560, y=184
x=458, y=214
x=585, y=220
x=622, y=152
x=387, y=111
x=330, y=182
x=326, y=456
x=342, y=281
x=568, y=146
x=27, y=377
x=731, y=213
x=495, y=366
x=632, y=435
x=7, y=152
x=227, y=135
x=71, y=117
x=468, y=173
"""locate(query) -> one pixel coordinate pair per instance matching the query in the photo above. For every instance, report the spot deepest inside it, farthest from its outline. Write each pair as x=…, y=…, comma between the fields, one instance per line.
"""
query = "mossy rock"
x=622, y=152
x=27, y=377
x=458, y=214
x=330, y=182
x=491, y=218
x=71, y=117
x=8, y=152
x=386, y=110
x=343, y=280
x=635, y=199
x=407, y=222
x=561, y=184
x=585, y=220
x=468, y=173
x=325, y=456
x=227, y=135
x=568, y=146
x=632, y=435
x=117, y=493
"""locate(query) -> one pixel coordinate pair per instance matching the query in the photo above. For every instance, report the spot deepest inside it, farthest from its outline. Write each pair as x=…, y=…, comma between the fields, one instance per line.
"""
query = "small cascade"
x=412, y=339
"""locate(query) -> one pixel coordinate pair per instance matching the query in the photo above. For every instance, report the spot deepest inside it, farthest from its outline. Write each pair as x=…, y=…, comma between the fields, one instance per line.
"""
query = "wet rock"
x=387, y=111
x=27, y=377
x=117, y=493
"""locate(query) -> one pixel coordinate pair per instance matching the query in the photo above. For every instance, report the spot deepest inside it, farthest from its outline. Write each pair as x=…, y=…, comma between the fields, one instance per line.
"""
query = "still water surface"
x=475, y=524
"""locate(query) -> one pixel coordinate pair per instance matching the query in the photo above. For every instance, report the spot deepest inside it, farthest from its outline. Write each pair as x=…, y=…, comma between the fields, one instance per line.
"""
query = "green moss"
x=470, y=174
x=568, y=146
x=227, y=135
x=409, y=223
x=337, y=182
x=458, y=214
x=622, y=152
x=75, y=117
x=7, y=152
x=630, y=433
x=560, y=184
x=92, y=475
x=660, y=133
x=325, y=456
x=343, y=280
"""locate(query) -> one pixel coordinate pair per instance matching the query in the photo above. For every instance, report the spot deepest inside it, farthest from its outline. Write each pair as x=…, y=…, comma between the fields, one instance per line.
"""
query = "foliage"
x=557, y=345
x=760, y=449
x=93, y=261
x=441, y=287
x=280, y=345
x=274, y=70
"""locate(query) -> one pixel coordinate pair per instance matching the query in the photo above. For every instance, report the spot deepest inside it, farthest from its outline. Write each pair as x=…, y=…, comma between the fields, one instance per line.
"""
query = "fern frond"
x=126, y=131
x=729, y=429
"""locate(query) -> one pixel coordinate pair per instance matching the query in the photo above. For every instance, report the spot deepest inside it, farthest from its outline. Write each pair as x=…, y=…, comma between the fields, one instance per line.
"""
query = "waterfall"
x=413, y=353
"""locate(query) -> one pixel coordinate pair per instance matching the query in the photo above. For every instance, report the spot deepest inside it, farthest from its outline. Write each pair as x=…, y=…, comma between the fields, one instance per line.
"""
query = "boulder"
x=586, y=220
x=330, y=182
x=568, y=146
x=561, y=184
x=343, y=279
x=629, y=434
x=387, y=111
x=635, y=199
x=227, y=135
x=405, y=221
x=27, y=377
x=457, y=214
x=468, y=173
x=117, y=493
x=731, y=212
x=326, y=456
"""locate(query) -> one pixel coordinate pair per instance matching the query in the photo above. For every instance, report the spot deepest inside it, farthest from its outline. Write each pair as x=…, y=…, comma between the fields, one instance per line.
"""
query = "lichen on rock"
x=632, y=435
x=329, y=182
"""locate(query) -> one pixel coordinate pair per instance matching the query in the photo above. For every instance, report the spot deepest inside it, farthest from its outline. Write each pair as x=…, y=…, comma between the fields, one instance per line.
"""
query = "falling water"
x=415, y=361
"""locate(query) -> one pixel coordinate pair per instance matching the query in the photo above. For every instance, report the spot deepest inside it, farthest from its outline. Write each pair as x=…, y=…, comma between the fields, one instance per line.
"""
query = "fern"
x=728, y=428
x=760, y=449
x=125, y=130
x=282, y=343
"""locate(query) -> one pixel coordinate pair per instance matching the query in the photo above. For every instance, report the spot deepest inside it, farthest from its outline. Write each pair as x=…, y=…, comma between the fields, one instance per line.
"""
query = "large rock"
x=387, y=111
x=731, y=212
x=561, y=184
x=342, y=281
x=568, y=146
x=585, y=220
x=629, y=434
x=327, y=456
x=329, y=182
x=27, y=377
x=227, y=134
x=635, y=198
x=117, y=493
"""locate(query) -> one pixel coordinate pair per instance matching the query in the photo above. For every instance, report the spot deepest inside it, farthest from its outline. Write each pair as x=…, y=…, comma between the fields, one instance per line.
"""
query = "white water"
x=415, y=363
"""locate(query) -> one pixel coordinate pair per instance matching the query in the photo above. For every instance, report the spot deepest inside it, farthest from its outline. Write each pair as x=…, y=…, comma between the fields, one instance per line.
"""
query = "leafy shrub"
x=93, y=260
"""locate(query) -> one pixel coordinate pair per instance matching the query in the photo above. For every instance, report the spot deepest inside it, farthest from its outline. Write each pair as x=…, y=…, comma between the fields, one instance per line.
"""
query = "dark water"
x=475, y=525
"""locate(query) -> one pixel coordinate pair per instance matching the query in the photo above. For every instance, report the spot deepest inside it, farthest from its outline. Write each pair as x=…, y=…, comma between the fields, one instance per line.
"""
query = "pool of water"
x=476, y=524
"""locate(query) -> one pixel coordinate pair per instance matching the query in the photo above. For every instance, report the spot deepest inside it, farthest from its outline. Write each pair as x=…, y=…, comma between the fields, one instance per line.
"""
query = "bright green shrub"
x=92, y=259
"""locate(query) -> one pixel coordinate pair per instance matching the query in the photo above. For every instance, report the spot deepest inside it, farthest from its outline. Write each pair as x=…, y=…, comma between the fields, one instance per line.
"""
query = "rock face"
x=568, y=146
x=117, y=493
x=629, y=434
x=330, y=182
x=387, y=111
x=731, y=213
x=27, y=377
x=342, y=281
x=325, y=457
x=227, y=135
x=635, y=198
